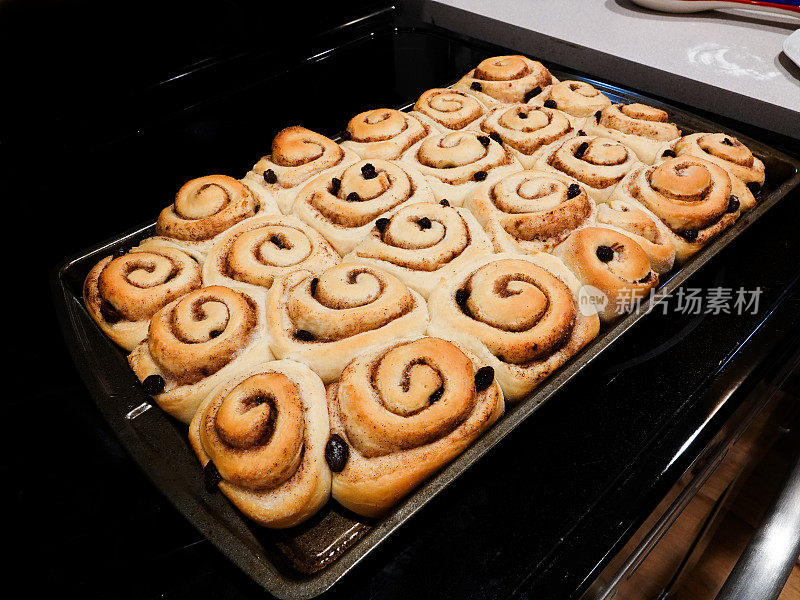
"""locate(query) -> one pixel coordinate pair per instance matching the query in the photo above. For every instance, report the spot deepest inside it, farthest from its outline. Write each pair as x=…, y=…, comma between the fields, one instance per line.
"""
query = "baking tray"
x=306, y=560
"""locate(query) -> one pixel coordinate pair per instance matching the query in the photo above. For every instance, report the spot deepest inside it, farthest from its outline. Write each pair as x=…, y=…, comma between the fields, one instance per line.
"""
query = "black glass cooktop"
x=533, y=518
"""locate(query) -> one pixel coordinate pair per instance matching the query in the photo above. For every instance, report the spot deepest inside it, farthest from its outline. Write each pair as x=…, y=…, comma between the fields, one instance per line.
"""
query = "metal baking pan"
x=305, y=561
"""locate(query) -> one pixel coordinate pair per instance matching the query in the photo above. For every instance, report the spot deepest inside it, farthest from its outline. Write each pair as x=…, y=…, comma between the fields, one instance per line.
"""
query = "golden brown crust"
x=265, y=431
x=204, y=208
x=597, y=163
x=448, y=110
x=725, y=151
x=122, y=294
x=198, y=341
x=691, y=196
x=455, y=163
x=518, y=313
x=383, y=133
x=405, y=410
x=644, y=129
x=258, y=250
x=531, y=211
x=298, y=155
x=422, y=243
x=526, y=129
x=504, y=79
x=576, y=98
x=325, y=321
x=344, y=205
x=623, y=276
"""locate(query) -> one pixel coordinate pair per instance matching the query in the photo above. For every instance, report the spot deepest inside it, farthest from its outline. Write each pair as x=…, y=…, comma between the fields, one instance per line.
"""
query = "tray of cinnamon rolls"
x=302, y=357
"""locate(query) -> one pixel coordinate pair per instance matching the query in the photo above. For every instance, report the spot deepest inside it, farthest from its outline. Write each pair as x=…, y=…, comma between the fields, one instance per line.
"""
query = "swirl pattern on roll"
x=121, y=294
x=732, y=155
x=597, y=163
x=644, y=129
x=383, y=133
x=198, y=340
x=519, y=314
x=531, y=211
x=691, y=196
x=455, y=163
x=643, y=227
x=406, y=410
x=265, y=432
x=325, y=320
x=610, y=264
x=257, y=251
x=505, y=79
x=525, y=129
x=298, y=155
x=205, y=207
x=576, y=98
x=421, y=243
x=448, y=110
x=344, y=205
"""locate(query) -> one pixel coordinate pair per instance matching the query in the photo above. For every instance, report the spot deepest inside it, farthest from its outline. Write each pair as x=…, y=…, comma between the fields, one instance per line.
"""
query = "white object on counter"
x=791, y=46
x=733, y=62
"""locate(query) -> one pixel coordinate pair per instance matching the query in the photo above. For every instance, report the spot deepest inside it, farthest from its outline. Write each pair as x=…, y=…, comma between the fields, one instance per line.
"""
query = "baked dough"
x=324, y=321
x=298, y=155
x=598, y=163
x=525, y=129
x=204, y=208
x=343, y=205
x=531, y=211
x=253, y=253
x=576, y=98
x=691, y=196
x=614, y=270
x=421, y=243
x=265, y=431
x=455, y=163
x=383, y=133
x=121, y=294
x=644, y=129
x=447, y=110
x=199, y=341
x=505, y=80
x=406, y=410
x=519, y=314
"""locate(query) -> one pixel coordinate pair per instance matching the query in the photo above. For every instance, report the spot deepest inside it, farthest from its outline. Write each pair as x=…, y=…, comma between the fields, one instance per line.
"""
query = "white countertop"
x=736, y=55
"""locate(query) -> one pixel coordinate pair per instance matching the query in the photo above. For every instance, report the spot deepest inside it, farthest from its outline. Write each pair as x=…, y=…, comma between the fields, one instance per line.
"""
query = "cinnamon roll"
x=531, y=211
x=730, y=154
x=344, y=204
x=505, y=80
x=122, y=292
x=204, y=208
x=525, y=129
x=383, y=133
x=596, y=162
x=691, y=196
x=421, y=243
x=642, y=128
x=197, y=342
x=325, y=321
x=455, y=163
x=643, y=227
x=402, y=412
x=264, y=432
x=298, y=155
x=447, y=110
x=518, y=313
x=252, y=254
x=576, y=98
x=614, y=270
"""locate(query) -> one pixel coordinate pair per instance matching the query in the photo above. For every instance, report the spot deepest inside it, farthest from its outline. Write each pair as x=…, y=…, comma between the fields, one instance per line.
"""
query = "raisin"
x=270, y=177
x=153, y=385
x=573, y=190
x=480, y=175
x=605, y=253
x=211, y=476
x=336, y=453
x=483, y=378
